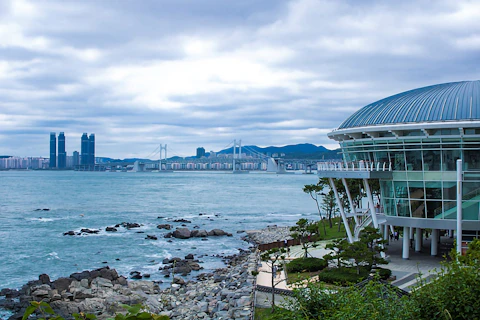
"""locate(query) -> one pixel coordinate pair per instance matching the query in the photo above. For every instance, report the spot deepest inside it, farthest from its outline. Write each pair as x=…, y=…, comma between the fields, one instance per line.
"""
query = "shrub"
x=342, y=276
x=384, y=273
x=306, y=264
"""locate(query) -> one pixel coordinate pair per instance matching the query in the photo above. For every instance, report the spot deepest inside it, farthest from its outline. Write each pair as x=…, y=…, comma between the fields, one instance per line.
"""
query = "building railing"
x=354, y=166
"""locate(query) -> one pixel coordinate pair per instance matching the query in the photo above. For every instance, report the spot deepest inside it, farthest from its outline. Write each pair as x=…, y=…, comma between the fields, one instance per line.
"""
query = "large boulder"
x=164, y=226
x=182, y=233
x=200, y=233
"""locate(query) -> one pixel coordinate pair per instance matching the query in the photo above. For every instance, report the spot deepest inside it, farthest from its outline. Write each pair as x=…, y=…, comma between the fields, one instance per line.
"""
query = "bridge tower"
x=235, y=156
x=162, y=148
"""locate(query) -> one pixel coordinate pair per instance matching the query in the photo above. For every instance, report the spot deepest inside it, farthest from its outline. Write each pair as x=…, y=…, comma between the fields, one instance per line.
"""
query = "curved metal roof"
x=442, y=102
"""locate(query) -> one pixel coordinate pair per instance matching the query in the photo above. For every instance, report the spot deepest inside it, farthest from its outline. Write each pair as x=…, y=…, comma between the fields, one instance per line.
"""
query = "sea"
x=32, y=240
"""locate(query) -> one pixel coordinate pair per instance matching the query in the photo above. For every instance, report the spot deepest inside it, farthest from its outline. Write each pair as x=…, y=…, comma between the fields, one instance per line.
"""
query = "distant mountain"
x=296, y=151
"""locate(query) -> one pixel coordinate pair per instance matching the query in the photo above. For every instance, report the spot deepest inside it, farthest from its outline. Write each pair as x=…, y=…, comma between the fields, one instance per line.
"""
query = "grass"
x=332, y=233
x=266, y=313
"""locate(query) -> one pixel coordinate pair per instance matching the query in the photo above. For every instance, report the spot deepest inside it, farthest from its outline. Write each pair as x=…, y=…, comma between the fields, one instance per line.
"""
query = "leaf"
x=29, y=311
x=46, y=307
x=135, y=309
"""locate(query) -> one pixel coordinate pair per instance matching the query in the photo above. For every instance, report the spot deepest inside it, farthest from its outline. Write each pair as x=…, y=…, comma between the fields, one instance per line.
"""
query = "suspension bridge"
x=242, y=159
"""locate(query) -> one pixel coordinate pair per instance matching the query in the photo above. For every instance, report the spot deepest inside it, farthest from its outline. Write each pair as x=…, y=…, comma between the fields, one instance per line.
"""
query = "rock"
x=200, y=233
x=164, y=226
x=89, y=231
x=129, y=225
x=62, y=284
x=168, y=235
x=111, y=229
x=179, y=281
x=182, y=233
x=151, y=237
x=44, y=278
x=69, y=233
x=80, y=275
x=189, y=256
x=109, y=274
x=182, y=220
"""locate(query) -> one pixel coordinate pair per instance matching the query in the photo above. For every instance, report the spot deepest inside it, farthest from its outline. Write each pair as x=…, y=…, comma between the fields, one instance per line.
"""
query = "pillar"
x=406, y=244
x=434, y=242
x=385, y=232
x=342, y=213
x=418, y=239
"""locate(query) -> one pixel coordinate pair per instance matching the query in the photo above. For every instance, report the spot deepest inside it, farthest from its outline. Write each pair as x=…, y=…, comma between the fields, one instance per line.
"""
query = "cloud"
x=204, y=73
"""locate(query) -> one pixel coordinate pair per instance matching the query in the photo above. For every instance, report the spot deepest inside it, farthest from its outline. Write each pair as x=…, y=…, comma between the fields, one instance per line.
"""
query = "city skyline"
x=188, y=74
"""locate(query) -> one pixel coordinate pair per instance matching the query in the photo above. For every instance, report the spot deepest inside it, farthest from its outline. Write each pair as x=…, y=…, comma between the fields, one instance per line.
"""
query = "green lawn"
x=332, y=233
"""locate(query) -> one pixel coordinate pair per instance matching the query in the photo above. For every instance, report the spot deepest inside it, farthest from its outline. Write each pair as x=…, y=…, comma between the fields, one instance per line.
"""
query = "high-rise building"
x=53, y=150
x=84, y=150
x=62, y=155
x=76, y=158
x=200, y=152
x=91, y=149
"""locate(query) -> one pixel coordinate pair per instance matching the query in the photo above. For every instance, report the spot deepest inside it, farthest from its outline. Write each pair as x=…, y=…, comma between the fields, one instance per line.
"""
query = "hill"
x=296, y=151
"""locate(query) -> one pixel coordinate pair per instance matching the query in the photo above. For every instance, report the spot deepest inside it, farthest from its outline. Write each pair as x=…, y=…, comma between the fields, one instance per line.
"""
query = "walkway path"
x=406, y=271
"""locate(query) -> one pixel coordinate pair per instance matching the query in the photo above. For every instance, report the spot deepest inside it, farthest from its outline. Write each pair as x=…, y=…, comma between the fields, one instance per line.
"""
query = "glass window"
x=414, y=160
x=449, y=158
x=398, y=160
x=416, y=190
x=472, y=159
x=401, y=189
x=418, y=208
x=431, y=160
x=449, y=210
x=403, y=208
x=470, y=210
x=433, y=190
x=389, y=206
x=449, y=190
x=471, y=190
x=387, y=189
x=434, y=209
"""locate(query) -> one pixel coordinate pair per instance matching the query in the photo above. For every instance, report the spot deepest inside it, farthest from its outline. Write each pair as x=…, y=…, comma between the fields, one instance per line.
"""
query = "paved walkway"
x=406, y=271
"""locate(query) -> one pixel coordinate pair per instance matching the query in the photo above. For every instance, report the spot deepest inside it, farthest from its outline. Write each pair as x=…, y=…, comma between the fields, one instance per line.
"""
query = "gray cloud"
x=202, y=73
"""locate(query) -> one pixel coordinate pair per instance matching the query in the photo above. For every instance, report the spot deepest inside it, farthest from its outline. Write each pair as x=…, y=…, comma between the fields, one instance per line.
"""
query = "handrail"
x=354, y=166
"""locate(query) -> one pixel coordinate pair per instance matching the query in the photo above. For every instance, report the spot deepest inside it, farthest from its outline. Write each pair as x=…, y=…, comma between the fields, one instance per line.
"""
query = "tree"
x=329, y=206
x=271, y=257
x=305, y=231
x=338, y=247
x=375, y=243
x=367, y=250
x=314, y=190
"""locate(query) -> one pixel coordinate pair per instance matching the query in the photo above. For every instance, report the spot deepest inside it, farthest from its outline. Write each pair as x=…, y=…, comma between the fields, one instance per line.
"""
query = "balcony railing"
x=354, y=166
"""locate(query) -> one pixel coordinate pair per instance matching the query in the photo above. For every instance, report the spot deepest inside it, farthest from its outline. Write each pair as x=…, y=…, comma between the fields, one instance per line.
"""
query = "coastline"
x=225, y=293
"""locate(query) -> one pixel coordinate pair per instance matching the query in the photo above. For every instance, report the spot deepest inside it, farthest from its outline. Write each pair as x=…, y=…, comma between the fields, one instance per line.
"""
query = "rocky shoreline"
x=226, y=293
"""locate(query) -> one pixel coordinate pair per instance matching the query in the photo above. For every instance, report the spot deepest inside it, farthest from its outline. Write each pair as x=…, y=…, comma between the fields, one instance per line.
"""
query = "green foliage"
x=453, y=292
x=384, y=273
x=306, y=264
x=305, y=230
x=369, y=302
x=138, y=312
x=271, y=257
x=314, y=190
x=343, y=276
x=338, y=246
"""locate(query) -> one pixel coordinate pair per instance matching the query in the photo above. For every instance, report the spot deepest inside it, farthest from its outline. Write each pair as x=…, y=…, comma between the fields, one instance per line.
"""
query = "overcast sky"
x=204, y=72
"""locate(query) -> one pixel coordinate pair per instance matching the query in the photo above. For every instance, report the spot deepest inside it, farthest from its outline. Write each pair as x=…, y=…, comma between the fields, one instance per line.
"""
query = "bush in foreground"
x=306, y=265
x=342, y=276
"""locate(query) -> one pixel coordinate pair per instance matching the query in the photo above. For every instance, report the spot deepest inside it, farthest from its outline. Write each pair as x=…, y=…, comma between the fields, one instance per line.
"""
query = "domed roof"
x=442, y=102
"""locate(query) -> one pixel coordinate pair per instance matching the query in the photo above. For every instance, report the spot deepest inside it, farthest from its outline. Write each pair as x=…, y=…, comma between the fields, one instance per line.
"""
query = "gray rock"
x=182, y=233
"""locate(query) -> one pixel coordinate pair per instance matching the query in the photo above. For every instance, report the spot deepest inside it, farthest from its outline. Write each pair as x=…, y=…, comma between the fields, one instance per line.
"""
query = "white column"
x=459, y=206
x=410, y=233
x=385, y=232
x=434, y=242
x=342, y=213
x=418, y=239
x=371, y=204
x=350, y=201
x=406, y=244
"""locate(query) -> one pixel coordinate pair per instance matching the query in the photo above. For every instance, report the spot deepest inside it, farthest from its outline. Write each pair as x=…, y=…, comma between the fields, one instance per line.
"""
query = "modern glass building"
x=62, y=155
x=53, y=150
x=410, y=142
x=84, y=149
x=91, y=149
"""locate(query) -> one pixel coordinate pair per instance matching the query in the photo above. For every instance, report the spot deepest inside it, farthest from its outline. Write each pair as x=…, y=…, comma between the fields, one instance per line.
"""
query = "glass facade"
x=53, y=150
x=424, y=170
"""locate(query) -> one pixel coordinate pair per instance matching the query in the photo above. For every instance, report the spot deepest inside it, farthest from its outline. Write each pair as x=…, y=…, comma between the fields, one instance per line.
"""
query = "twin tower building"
x=85, y=158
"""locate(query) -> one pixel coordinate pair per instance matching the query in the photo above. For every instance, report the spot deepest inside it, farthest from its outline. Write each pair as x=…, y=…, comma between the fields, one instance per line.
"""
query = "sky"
x=201, y=73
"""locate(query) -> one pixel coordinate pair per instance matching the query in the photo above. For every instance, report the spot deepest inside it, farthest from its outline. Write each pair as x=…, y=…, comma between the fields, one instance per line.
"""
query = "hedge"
x=306, y=265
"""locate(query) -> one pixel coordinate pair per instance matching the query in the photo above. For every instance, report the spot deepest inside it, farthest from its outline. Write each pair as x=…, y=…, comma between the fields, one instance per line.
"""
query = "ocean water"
x=32, y=242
